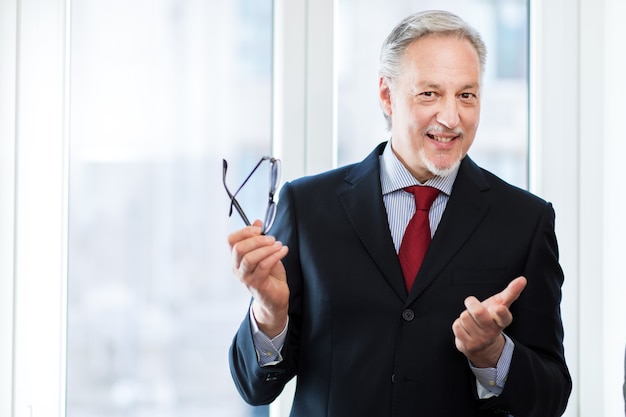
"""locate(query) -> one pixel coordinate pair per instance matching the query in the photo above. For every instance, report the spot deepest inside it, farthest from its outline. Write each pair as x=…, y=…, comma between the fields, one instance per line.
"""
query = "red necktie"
x=417, y=234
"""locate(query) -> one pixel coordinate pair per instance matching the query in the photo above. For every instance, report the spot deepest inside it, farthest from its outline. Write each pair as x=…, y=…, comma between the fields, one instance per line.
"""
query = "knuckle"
x=246, y=264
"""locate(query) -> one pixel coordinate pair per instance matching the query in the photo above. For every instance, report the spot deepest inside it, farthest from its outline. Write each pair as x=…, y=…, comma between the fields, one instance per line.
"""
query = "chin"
x=440, y=169
x=446, y=170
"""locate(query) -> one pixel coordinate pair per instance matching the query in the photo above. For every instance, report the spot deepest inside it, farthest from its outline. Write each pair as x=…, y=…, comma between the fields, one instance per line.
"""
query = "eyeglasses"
x=270, y=213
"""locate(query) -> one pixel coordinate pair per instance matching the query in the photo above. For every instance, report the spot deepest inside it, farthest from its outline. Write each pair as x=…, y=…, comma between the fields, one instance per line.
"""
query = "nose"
x=448, y=114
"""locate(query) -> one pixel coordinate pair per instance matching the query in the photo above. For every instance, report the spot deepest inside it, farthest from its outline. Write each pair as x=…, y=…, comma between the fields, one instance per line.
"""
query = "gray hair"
x=419, y=25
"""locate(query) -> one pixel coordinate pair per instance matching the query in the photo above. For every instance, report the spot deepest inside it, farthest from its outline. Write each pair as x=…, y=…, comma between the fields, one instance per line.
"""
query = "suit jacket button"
x=271, y=377
x=408, y=314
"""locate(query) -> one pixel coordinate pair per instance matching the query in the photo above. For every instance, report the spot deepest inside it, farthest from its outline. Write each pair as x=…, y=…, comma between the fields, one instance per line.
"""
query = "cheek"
x=470, y=118
x=418, y=117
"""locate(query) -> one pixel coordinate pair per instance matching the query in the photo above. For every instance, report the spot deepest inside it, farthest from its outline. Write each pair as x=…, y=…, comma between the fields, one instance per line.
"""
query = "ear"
x=384, y=95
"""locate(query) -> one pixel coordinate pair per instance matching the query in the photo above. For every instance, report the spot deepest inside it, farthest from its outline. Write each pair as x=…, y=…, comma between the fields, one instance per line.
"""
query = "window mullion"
x=40, y=208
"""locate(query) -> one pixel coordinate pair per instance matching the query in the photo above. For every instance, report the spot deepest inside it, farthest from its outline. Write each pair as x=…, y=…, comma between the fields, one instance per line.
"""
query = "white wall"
x=611, y=163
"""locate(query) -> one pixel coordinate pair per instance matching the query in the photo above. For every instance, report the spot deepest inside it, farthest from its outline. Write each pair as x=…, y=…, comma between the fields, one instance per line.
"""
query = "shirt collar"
x=394, y=175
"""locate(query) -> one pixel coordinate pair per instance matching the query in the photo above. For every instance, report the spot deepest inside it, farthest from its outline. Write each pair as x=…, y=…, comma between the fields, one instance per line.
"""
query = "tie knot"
x=424, y=196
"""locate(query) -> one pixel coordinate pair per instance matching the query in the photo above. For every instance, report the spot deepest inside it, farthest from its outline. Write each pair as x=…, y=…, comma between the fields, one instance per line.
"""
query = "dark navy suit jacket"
x=361, y=346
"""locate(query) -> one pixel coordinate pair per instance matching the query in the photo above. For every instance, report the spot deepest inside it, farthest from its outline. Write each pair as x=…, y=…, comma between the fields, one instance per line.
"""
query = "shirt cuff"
x=267, y=350
x=490, y=381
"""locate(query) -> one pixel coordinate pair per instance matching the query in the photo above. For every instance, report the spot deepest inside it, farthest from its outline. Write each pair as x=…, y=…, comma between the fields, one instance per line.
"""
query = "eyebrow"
x=438, y=86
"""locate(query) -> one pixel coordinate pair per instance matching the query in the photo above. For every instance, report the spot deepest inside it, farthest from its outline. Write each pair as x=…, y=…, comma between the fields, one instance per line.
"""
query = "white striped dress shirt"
x=400, y=204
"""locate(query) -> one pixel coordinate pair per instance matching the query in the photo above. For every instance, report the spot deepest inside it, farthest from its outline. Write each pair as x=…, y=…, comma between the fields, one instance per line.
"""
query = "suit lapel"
x=363, y=203
x=362, y=200
x=468, y=205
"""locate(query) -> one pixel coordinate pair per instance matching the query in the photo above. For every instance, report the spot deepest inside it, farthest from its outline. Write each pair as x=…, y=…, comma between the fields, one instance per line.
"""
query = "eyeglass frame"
x=270, y=212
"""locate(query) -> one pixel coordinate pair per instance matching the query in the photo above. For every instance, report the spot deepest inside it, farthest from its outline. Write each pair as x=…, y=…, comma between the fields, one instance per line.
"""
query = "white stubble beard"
x=434, y=169
x=430, y=165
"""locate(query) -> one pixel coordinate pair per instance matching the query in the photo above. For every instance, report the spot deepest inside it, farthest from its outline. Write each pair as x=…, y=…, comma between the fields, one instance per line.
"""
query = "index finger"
x=245, y=233
x=512, y=291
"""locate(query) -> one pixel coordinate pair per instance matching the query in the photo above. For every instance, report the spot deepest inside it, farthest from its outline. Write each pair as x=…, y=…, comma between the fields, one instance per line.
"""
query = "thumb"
x=513, y=291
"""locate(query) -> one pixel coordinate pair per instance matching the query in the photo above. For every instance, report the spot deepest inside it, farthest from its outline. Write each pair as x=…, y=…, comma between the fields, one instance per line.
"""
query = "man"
x=479, y=331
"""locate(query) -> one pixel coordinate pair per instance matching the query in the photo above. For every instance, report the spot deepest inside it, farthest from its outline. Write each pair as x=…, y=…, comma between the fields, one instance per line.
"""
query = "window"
x=161, y=91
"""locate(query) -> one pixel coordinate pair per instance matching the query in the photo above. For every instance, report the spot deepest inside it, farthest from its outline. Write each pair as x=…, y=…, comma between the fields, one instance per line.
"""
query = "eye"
x=467, y=96
x=427, y=96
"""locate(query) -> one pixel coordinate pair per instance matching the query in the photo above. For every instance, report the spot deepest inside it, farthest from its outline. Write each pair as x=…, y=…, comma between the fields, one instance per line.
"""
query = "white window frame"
x=7, y=198
x=576, y=162
x=34, y=55
x=576, y=145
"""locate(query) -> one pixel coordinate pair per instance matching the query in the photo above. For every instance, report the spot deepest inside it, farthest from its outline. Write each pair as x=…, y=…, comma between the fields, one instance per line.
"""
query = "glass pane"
x=161, y=91
x=501, y=144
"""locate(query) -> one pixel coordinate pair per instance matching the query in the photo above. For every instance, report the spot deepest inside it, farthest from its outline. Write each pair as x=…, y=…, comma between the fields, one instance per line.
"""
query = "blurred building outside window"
x=161, y=91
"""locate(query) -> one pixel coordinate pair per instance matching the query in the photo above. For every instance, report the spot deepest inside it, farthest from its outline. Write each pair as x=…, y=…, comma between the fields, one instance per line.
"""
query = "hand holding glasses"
x=270, y=213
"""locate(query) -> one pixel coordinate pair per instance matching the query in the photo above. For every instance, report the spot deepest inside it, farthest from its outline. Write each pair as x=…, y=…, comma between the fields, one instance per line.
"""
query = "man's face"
x=434, y=105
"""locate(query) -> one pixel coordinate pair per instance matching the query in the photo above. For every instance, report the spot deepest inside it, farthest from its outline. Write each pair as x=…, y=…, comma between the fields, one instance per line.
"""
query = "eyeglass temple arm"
x=250, y=174
x=235, y=204
x=233, y=200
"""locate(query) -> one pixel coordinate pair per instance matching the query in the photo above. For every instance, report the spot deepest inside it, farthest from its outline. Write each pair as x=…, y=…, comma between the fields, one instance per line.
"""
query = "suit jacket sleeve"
x=261, y=385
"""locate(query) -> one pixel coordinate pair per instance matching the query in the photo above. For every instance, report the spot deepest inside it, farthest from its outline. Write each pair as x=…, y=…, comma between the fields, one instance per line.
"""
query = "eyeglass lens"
x=270, y=213
x=270, y=216
x=274, y=175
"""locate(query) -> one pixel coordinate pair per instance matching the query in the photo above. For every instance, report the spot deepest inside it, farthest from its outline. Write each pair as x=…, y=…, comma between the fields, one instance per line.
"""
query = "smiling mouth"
x=441, y=139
